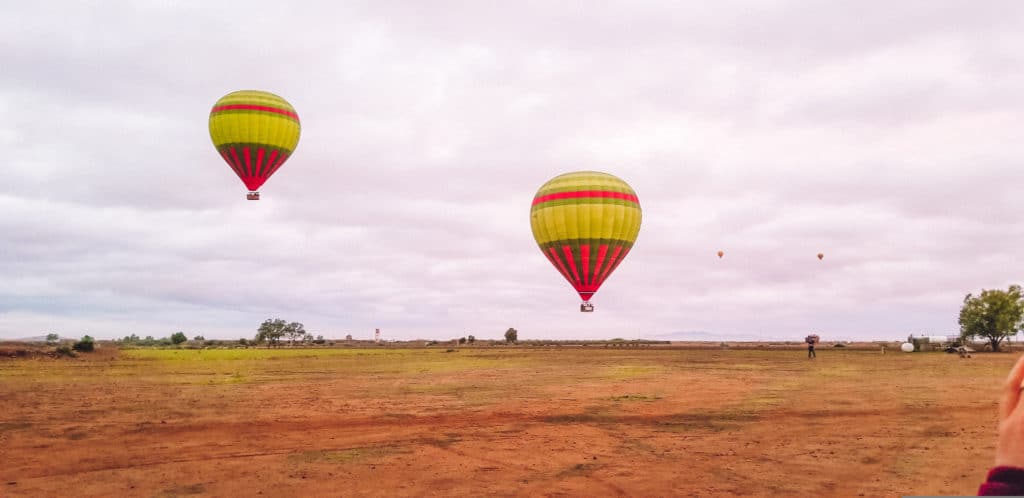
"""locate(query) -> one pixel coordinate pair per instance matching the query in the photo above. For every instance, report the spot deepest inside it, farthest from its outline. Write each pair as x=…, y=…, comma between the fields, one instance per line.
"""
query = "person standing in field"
x=811, y=340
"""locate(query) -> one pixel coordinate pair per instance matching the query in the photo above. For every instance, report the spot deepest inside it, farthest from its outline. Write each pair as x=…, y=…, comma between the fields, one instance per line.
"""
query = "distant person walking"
x=811, y=340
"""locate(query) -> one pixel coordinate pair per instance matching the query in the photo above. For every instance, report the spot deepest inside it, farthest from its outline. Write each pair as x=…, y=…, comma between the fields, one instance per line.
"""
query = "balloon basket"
x=586, y=307
x=253, y=196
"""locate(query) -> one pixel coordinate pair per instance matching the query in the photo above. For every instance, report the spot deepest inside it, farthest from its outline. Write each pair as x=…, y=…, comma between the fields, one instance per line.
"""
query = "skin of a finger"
x=1011, y=391
x=1010, y=447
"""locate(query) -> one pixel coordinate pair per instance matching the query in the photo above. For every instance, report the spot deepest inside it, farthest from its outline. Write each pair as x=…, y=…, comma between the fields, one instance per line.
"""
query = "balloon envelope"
x=820, y=256
x=907, y=347
x=255, y=132
x=720, y=254
x=585, y=224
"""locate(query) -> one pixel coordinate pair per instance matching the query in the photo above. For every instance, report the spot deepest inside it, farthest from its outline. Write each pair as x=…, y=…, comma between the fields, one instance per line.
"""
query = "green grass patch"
x=634, y=371
x=264, y=354
x=711, y=420
x=344, y=456
x=183, y=490
x=447, y=440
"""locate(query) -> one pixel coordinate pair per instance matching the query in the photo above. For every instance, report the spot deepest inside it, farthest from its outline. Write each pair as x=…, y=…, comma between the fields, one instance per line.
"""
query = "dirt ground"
x=497, y=421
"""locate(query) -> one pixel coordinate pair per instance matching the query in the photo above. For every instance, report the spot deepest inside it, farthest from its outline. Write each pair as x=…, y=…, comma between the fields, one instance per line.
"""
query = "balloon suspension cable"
x=253, y=196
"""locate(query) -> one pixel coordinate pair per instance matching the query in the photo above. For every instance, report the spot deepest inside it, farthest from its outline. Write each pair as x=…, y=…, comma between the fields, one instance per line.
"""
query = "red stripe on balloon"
x=558, y=262
x=248, y=161
x=601, y=253
x=227, y=159
x=585, y=261
x=585, y=193
x=280, y=160
x=572, y=262
x=260, y=165
x=612, y=263
x=234, y=156
x=250, y=107
x=271, y=162
x=622, y=257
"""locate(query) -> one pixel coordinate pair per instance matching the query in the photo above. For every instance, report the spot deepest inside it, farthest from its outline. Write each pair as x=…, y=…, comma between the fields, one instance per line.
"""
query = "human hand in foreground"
x=1010, y=448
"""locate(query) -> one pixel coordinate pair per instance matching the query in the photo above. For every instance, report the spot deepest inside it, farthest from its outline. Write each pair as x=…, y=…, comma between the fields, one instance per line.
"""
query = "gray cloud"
x=883, y=136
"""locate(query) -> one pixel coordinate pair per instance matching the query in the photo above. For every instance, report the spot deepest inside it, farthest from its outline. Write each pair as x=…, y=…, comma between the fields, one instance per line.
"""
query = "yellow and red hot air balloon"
x=821, y=256
x=720, y=254
x=585, y=224
x=255, y=132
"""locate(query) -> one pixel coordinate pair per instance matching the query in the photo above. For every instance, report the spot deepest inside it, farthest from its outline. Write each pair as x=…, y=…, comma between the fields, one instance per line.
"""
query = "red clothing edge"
x=1003, y=481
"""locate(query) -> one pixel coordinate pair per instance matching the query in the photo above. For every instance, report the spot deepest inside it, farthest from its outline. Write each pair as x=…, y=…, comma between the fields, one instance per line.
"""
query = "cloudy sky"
x=886, y=135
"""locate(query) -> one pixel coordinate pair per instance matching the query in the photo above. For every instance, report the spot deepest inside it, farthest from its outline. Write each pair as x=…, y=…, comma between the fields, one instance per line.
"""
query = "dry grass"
x=576, y=421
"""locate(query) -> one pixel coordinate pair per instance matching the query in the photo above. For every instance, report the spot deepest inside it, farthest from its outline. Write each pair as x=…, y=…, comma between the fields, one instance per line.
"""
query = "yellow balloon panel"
x=585, y=205
x=255, y=117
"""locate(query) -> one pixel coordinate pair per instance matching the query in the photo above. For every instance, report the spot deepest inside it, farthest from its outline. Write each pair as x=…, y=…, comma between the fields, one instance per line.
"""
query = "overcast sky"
x=887, y=135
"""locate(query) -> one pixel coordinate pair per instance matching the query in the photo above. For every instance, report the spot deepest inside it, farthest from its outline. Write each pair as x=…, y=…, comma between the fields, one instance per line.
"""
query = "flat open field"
x=498, y=421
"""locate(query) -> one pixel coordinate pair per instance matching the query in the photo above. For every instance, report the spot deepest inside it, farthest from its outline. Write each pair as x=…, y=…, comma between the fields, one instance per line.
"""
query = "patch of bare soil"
x=589, y=424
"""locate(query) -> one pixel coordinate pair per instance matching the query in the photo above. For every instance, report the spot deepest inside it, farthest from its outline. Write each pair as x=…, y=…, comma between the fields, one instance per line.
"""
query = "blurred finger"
x=1011, y=391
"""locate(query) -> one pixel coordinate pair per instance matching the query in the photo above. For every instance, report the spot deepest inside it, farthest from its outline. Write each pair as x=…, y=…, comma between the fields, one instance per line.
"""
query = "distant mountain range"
x=703, y=335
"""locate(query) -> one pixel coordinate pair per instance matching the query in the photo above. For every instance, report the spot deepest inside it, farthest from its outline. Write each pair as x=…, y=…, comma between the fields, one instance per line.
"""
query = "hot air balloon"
x=720, y=254
x=255, y=132
x=820, y=256
x=585, y=224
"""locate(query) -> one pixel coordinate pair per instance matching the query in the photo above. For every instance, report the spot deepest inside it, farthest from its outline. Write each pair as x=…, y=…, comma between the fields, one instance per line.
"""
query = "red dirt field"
x=497, y=421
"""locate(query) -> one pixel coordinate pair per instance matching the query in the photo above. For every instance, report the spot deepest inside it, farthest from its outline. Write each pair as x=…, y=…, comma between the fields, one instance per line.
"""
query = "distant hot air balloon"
x=585, y=223
x=720, y=254
x=255, y=132
x=820, y=256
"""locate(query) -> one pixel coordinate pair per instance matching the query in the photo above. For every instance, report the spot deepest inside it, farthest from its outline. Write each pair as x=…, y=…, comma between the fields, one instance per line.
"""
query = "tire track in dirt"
x=505, y=417
x=243, y=430
x=618, y=491
x=284, y=432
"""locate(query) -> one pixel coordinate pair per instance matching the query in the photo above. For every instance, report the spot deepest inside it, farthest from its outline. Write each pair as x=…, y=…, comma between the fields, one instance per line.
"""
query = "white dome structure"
x=907, y=347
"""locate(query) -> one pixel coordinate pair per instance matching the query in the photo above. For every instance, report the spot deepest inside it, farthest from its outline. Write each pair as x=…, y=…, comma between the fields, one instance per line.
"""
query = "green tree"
x=198, y=338
x=511, y=335
x=85, y=345
x=52, y=338
x=471, y=339
x=993, y=315
x=178, y=337
x=462, y=340
x=271, y=331
x=294, y=330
